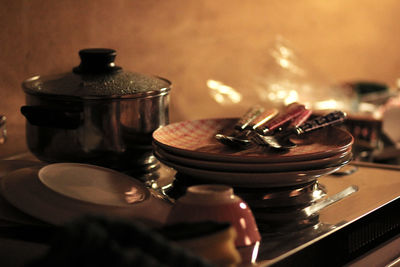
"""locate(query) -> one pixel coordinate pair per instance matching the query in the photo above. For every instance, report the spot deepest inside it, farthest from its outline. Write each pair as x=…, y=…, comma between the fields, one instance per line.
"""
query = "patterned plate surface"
x=196, y=139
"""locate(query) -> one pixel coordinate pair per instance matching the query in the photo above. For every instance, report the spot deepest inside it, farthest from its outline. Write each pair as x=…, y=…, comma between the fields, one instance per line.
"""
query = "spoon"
x=330, y=200
x=233, y=140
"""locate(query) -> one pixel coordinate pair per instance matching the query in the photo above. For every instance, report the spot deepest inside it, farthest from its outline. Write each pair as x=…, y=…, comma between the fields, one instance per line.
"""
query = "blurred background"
x=220, y=55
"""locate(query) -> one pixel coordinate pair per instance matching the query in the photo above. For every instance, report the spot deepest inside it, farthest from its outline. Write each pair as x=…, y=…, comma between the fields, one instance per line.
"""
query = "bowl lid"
x=97, y=76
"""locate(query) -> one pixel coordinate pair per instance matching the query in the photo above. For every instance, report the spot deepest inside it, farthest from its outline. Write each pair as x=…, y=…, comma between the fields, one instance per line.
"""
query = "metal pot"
x=97, y=114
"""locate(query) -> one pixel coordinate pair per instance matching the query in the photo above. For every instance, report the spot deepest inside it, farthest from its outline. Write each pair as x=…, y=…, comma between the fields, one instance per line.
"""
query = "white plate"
x=25, y=191
x=93, y=184
x=252, y=167
x=254, y=179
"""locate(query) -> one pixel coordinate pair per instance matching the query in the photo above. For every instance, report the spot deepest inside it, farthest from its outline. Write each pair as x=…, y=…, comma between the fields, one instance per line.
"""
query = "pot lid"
x=97, y=76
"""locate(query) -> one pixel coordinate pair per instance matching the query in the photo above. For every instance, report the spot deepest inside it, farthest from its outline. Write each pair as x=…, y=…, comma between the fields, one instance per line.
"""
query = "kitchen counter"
x=362, y=223
x=353, y=226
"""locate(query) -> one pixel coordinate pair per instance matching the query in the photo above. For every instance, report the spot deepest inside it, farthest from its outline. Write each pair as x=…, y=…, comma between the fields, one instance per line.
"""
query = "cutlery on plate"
x=262, y=122
x=293, y=124
x=238, y=136
x=282, y=140
x=248, y=117
x=291, y=112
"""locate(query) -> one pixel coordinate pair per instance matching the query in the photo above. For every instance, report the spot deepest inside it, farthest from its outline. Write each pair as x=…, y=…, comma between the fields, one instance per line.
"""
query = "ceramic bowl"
x=216, y=203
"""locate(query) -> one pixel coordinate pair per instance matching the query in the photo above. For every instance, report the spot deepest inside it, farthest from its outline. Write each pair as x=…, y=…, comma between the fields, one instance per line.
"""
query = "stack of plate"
x=274, y=183
x=191, y=148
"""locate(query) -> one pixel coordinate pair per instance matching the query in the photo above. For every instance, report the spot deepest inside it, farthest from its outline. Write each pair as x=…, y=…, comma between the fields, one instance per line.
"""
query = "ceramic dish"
x=9, y=214
x=93, y=184
x=216, y=203
x=253, y=167
x=25, y=191
x=196, y=139
x=254, y=179
x=7, y=166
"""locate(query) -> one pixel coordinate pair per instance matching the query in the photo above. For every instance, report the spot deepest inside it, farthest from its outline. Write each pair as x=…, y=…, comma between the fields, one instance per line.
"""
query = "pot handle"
x=52, y=117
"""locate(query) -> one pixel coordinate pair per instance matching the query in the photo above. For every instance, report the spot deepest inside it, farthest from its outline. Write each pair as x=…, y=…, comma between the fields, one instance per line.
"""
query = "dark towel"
x=97, y=241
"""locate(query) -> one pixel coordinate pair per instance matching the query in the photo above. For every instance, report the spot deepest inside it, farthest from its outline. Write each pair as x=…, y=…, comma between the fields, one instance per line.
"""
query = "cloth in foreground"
x=98, y=241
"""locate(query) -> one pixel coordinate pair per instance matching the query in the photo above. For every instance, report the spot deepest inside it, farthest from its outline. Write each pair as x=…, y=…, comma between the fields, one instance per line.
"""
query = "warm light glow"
x=317, y=194
x=284, y=58
x=291, y=97
x=133, y=195
x=267, y=196
x=254, y=255
x=327, y=104
x=247, y=240
x=242, y=223
x=223, y=93
x=284, y=63
x=282, y=92
x=243, y=205
x=285, y=52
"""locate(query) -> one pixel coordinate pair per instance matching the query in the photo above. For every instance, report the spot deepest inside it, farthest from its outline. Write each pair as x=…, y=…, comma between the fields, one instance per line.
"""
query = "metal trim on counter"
x=348, y=229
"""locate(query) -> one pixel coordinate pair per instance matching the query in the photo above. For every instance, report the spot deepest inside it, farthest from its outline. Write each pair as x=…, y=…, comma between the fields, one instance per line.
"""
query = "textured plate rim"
x=254, y=180
x=57, y=209
x=241, y=158
x=160, y=153
x=43, y=179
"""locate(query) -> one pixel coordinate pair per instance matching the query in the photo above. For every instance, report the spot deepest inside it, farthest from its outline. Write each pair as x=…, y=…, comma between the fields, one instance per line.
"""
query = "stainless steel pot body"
x=112, y=132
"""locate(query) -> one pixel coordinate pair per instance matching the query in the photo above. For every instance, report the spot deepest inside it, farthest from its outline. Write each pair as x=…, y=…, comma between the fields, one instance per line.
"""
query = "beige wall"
x=191, y=41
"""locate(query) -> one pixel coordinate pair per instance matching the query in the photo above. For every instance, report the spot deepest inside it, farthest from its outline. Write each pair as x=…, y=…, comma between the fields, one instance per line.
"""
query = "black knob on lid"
x=97, y=61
